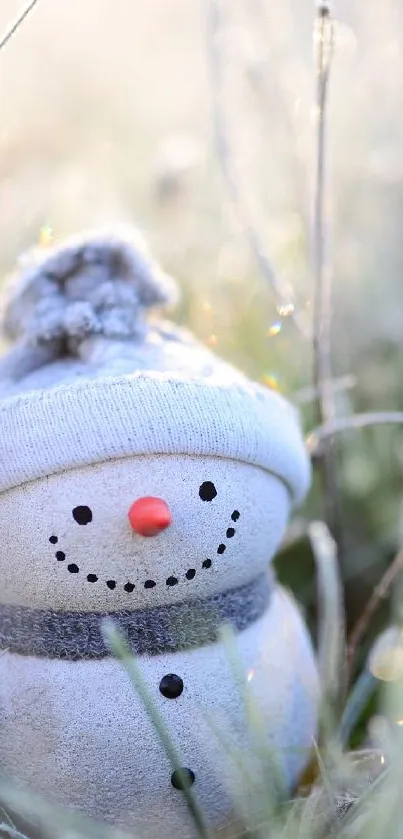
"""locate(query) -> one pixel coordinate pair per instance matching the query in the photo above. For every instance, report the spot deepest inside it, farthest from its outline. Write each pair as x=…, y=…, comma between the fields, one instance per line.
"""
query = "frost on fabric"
x=98, y=284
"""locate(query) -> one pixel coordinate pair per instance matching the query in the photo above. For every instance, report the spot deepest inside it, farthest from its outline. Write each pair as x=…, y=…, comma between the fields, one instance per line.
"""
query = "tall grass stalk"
x=331, y=631
x=15, y=25
x=119, y=647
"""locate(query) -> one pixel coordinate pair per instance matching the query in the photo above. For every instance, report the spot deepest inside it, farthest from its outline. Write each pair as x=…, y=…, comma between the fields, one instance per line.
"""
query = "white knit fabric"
x=88, y=380
x=77, y=733
x=48, y=432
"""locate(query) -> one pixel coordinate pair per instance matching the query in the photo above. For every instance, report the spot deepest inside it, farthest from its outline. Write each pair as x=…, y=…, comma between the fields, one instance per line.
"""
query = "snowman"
x=142, y=479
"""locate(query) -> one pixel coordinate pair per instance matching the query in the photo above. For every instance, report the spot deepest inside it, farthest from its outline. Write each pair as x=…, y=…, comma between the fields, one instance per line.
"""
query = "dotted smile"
x=82, y=515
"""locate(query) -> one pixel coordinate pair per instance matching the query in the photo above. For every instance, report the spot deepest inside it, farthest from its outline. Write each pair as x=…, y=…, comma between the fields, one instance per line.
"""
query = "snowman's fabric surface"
x=102, y=410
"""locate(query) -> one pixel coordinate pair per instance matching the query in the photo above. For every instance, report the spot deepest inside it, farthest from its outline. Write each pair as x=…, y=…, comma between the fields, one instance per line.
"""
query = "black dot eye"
x=53, y=540
x=207, y=491
x=82, y=515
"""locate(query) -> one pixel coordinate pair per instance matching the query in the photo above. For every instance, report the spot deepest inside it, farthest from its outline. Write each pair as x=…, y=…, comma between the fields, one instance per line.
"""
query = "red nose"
x=148, y=516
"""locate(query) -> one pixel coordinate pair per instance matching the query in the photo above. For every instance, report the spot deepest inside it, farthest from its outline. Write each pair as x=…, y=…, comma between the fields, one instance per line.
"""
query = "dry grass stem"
x=15, y=25
x=320, y=435
x=381, y=591
x=324, y=38
x=339, y=385
x=322, y=274
x=228, y=168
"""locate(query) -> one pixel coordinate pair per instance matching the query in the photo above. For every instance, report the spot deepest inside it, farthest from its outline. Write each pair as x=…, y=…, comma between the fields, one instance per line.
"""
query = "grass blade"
x=49, y=820
x=359, y=697
x=12, y=832
x=331, y=632
x=121, y=650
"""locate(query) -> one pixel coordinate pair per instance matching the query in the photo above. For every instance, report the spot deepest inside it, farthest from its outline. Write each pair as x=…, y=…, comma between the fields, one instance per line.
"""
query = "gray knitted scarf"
x=149, y=631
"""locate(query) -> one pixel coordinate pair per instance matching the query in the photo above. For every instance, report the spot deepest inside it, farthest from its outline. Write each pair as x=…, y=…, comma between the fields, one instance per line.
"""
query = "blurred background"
x=106, y=116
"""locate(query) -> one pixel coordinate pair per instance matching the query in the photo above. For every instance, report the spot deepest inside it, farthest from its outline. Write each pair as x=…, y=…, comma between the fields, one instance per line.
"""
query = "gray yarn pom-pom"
x=99, y=284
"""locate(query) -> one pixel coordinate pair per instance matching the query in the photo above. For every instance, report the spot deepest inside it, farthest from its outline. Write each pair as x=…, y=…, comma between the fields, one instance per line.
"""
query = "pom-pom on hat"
x=92, y=376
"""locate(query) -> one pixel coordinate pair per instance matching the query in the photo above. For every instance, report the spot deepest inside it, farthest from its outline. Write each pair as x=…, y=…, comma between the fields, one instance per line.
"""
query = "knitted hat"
x=89, y=378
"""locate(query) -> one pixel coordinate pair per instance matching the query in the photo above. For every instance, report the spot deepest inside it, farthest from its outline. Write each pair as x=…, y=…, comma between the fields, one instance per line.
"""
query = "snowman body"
x=143, y=480
x=71, y=725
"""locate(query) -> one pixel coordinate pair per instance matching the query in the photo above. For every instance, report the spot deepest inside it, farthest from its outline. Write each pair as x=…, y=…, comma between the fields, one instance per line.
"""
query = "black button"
x=171, y=686
x=184, y=779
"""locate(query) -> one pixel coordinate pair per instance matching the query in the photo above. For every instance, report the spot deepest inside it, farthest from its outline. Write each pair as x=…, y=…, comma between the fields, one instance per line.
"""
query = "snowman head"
x=78, y=539
x=137, y=468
